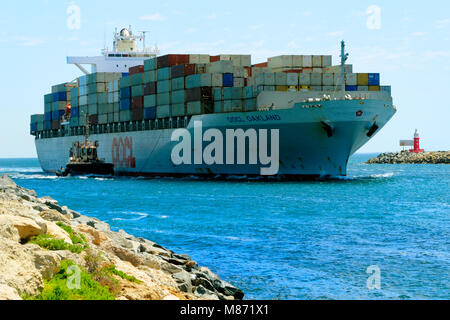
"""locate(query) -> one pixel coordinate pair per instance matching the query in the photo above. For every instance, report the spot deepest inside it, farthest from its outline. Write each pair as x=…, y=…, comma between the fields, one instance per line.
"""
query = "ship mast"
x=344, y=56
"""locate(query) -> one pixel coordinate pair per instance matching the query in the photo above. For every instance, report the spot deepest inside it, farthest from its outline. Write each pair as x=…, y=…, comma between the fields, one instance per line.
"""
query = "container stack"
x=56, y=105
x=177, y=85
x=36, y=123
x=91, y=98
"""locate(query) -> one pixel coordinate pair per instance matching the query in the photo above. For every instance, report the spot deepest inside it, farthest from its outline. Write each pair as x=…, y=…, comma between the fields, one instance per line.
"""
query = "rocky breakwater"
x=39, y=239
x=406, y=157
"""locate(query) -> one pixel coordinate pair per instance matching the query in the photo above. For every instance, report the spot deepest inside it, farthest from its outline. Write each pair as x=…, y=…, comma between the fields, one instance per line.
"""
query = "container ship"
x=135, y=99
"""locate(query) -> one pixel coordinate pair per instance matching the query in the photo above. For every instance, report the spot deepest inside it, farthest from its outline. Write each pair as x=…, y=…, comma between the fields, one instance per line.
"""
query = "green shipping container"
x=163, y=111
x=149, y=76
x=178, y=110
x=198, y=107
x=93, y=109
x=179, y=97
x=125, y=115
x=150, y=101
x=124, y=82
x=178, y=84
x=137, y=91
x=137, y=79
x=163, y=99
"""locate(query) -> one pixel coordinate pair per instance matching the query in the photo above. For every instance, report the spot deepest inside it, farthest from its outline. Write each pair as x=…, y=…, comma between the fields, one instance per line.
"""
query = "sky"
x=406, y=41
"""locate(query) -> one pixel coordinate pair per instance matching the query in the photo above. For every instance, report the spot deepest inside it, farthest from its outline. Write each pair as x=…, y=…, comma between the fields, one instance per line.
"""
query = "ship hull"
x=307, y=147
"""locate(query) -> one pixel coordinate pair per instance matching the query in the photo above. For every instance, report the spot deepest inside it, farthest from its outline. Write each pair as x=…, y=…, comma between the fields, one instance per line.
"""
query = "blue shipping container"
x=33, y=127
x=125, y=74
x=75, y=112
x=56, y=115
x=228, y=80
x=48, y=116
x=164, y=74
x=125, y=93
x=374, y=79
x=47, y=125
x=351, y=88
x=59, y=96
x=150, y=113
x=125, y=104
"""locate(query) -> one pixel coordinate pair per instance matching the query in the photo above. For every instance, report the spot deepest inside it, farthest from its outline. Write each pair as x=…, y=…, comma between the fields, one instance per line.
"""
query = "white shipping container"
x=194, y=58
x=246, y=60
x=292, y=79
x=83, y=100
x=316, y=79
x=260, y=70
x=328, y=88
x=327, y=61
x=317, y=70
x=225, y=57
x=351, y=79
x=307, y=61
x=238, y=72
x=258, y=79
x=236, y=60
x=239, y=82
x=204, y=58
x=328, y=79
x=304, y=79
x=280, y=62
x=317, y=61
x=217, y=80
x=316, y=88
x=280, y=79
x=221, y=67
x=269, y=79
x=338, y=79
x=296, y=61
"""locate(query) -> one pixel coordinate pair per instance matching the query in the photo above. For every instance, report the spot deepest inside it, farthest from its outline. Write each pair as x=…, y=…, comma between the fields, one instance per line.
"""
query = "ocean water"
x=284, y=240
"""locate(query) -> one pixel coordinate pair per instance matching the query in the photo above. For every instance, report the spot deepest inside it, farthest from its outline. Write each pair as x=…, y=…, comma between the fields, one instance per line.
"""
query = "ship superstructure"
x=323, y=113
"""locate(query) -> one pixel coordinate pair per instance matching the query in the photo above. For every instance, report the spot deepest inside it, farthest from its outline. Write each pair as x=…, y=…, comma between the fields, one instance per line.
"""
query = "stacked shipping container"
x=186, y=85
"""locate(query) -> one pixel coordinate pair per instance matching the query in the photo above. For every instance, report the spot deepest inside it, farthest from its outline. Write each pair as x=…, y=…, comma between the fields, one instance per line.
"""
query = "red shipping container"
x=293, y=71
x=171, y=60
x=137, y=102
x=214, y=59
x=136, y=69
x=55, y=124
x=261, y=65
x=137, y=114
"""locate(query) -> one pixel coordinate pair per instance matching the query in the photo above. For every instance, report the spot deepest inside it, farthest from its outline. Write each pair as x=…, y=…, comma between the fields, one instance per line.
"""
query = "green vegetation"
x=75, y=237
x=49, y=242
x=111, y=269
x=58, y=289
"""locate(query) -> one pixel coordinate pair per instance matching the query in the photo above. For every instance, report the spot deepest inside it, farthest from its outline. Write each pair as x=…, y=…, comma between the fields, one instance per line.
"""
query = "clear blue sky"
x=410, y=47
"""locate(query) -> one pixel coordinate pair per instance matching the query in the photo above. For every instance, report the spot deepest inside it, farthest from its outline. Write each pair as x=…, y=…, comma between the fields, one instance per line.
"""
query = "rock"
x=203, y=293
x=183, y=279
x=54, y=216
x=151, y=261
x=8, y=231
x=6, y=182
x=57, y=232
x=8, y=294
x=127, y=255
x=26, y=227
x=97, y=237
x=170, y=268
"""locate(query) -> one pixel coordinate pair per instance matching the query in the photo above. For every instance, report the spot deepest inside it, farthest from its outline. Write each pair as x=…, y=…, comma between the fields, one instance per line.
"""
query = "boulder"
x=26, y=227
x=54, y=216
x=57, y=232
x=8, y=294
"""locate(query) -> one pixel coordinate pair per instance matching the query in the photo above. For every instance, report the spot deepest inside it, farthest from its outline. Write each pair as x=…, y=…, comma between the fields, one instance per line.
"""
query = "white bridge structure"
x=125, y=54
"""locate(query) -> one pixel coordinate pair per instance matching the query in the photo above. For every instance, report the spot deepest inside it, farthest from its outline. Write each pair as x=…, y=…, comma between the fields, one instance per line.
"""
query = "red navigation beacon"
x=416, y=144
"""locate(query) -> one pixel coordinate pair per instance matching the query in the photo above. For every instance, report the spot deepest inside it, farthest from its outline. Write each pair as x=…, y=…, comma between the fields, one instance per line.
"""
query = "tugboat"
x=84, y=159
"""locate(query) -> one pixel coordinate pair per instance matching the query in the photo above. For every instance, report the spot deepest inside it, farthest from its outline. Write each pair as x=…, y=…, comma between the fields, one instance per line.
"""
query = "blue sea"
x=284, y=240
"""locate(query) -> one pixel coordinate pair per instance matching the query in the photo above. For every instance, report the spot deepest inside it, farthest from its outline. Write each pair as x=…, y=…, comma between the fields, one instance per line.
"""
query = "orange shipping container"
x=363, y=79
